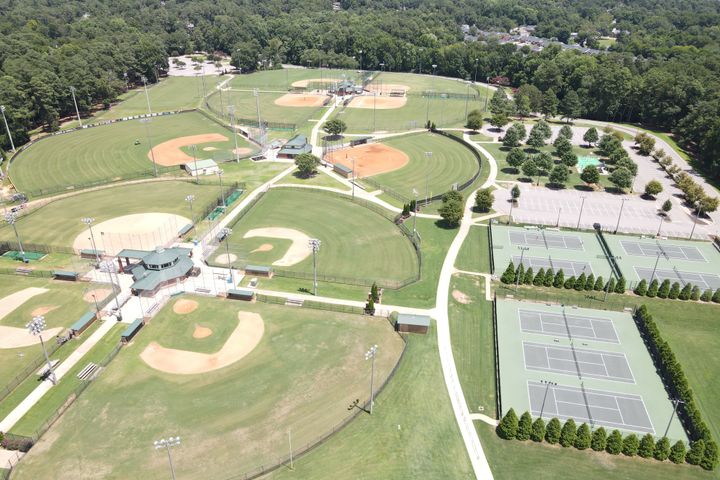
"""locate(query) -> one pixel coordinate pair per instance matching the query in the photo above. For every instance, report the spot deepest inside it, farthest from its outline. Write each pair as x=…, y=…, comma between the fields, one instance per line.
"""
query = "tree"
x=516, y=157
x=370, y=307
x=706, y=296
x=570, y=107
x=374, y=292
x=674, y=291
x=590, y=174
x=695, y=454
x=549, y=277
x=580, y=282
x=559, y=175
x=307, y=164
x=452, y=212
x=522, y=104
x=562, y=145
x=508, y=275
x=582, y=438
x=528, y=278
x=695, y=294
x=552, y=432
x=508, y=426
x=666, y=207
x=245, y=56
x=536, y=138
x=620, y=286
x=710, y=457
x=653, y=187
x=614, y=443
x=685, y=292
x=621, y=178
x=625, y=162
x=538, y=430
x=708, y=204
x=334, y=127
x=499, y=120
x=515, y=193
x=645, y=143
x=549, y=106
x=543, y=127
x=568, y=433
x=677, y=452
x=533, y=94
x=664, y=289
x=566, y=132
x=539, y=277
x=559, y=279
x=484, y=200
x=599, y=440
x=610, y=287
x=521, y=131
x=591, y=136
x=569, y=159
x=609, y=144
x=475, y=120
x=544, y=161
x=641, y=288
x=662, y=449
x=499, y=103
x=599, y=283
x=630, y=445
x=647, y=446
x=652, y=290
x=524, y=427
x=529, y=168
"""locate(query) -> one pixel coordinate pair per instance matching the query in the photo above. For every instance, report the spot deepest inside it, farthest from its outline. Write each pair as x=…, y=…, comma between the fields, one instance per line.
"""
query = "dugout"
x=241, y=294
x=407, y=323
x=132, y=330
x=83, y=323
x=91, y=254
x=259, y=270
x=65, y=275
x=342, y=170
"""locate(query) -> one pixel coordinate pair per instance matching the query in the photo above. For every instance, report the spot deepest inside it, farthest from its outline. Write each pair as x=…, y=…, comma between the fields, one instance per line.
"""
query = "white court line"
x=619, y=412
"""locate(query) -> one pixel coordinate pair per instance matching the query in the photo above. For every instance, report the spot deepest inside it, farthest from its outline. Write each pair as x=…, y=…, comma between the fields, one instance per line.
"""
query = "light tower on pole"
x=36, y=327
x=72, y=91
x=89, y=221
x=370, y=355
x=167, y=444
x=109, y=267
x=315, y=246
x=147, y=97
x=231, y=115
x=146, y=122
x=7, y=128
x=11, y=219
x=189, y=199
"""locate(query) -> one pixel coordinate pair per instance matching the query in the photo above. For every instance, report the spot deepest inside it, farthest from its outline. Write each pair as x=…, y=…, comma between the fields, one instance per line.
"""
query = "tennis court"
x=579, y=362
x=702, y=280
x=565, y=362
x=573, y=252
x=678, y=252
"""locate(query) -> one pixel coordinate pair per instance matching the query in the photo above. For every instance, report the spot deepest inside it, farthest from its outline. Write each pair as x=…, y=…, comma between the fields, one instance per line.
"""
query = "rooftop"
x=201, y=164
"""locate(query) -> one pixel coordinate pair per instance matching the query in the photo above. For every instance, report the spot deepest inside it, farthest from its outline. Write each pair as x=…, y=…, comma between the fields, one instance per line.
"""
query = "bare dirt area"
x=460, y=297
x=142, y=231
x=240, y=343
x=100, y=295
x=184, y=306
x=168, y=153
x=242, y=151
x=265, y=247
x=14, y=300
x=370, y=159
x=300, y=100
x=305, y=83
x=225, y=258
x=377, y=102
x=201, y=332
x=14, y=337
x=44, y=310
x=386, y=88
x=299, y=249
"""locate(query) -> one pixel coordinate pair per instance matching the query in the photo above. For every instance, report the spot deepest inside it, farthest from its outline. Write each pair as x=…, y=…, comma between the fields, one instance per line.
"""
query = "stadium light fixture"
x=89, y=221
x=231, y=117
x=315, y=246
x=189, y=199
x=547, y=384
x=11, y=219
x=415, y=193
x=582, y=204
x=7, y=128
x=222, y=192
x=72, y=92
x=109, y=267
x=675, y=402
x=167, y=444
x=36, y=327
x=617, y=226
x=147, y=96
x=226, y=232
x=370, y=355
x=197, y=173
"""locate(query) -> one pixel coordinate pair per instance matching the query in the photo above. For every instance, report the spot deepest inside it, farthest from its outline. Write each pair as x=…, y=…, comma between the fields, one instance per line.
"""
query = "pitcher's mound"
x=184, y=306
x=242, y=151
x=265, y=247
x=225, y=258
x=43, y=310
x=299, y=249
x=201, y=332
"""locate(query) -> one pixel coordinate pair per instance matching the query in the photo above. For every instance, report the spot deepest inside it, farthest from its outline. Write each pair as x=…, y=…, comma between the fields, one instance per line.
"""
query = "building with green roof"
x=157, y=268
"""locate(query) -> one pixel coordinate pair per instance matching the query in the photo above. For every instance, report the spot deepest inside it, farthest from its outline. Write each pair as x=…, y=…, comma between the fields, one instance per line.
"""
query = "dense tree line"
x=663, y=71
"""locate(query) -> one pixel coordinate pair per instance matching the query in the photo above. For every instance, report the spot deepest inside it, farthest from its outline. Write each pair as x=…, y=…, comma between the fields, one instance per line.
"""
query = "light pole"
x=189, y=199
x=146, y=122
x=354, y=178
x=315, y=245
x=675, y=402
x=197, y=173
x=475, y=75
x=430, y=93
x=547, y=384
x=7, y=129
x=581, y=210
x=256, y=94
x=487, y=91
x=660, y=225
x=226, y=232
x=698, y=212
x=36, y=327
x=467, y=98
x=147, y=97
x=620, y=214
x=428, y=155
x=11, y=219
x=557, y=222
x=517, y=270
x=415, y=193
x=370, y=355
x=167, y=444
x=77, y=112
x=89, y=221
x=222, y=104
x=657, y=259
x=108, y=266
x=222, y=192
x=231, y=114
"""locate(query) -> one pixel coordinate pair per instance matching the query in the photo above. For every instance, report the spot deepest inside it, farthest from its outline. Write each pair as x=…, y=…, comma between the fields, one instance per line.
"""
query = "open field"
x=411, y=434
x=271, y=107
x=302, y=375
x=473, y=256
x=109, y=152
x=58, y=223
x=356, y=242
x=284, y=78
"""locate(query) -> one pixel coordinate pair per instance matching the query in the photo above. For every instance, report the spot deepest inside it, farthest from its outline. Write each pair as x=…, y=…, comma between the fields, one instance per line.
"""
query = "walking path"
x=484, y=418
x=486, y=276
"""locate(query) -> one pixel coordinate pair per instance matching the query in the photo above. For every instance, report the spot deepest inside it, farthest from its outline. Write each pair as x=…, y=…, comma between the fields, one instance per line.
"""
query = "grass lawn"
x=58, y=223
x=450, y=162
x=107, y=153
x=303, y=375
x=471, y=332
x=282, y=79
x=474, y=255
x=51, y=261
x=319, y=180
x=356, y=242
x=245, y=107
x=411, y=434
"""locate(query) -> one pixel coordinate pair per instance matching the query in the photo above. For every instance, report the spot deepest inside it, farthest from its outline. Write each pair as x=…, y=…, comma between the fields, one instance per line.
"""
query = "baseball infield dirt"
x=299, y=249
x=184, y=306
x=13, y=337
x=370, y=159
x=225, y=258
x=201, y=332
x=168, y=153
x=300, y=100
x=377, y=102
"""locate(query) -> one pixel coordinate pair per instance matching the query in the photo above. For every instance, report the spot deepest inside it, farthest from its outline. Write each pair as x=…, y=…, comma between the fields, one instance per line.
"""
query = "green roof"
x=83, y=322
x=257, y=268
x=90, y=251
x=342, y=168
x=131, y=253
x=132, y=328
x=297, y=141
x=64, y=273
x=201, y=164
x=417, y=320
x=150, y=279
x=241, y=292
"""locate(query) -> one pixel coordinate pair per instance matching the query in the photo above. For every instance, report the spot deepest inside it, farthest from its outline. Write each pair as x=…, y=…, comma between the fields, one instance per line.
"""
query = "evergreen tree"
x=528, y=278
x=695, y=454
x=614, y=443
x=590, y=282
x=509, y=275
x=599, y=283
x=610, y=287
x=549, y=277
x=552, y=432
x=569, y=283
x=536, y=138
x=674, y=291
x=710, y=458
x=716, y=296
x=568, y=433
x=599, y=440
x=591, y=136
x=664, y=289
x=582, y=438
x=543, y=127
x=620, y=286
x=571, y=107
x=662, y=449
x=520, y=273
x=539, y=278
x=515, y=158
x=653, y=289
x=511, y=138
x=549, y=105
x=630, y=445
x=580, y=282
x=695, y=294
x=706, y=296
x=508, y=426
x=685, y=292
x=374, y=292
x=559, y=175
x=647, y=446
x=566, y=132
x=559, y=280
x=499, y=102
x=641, y=288
x=538, y=430
x=677, y=452
x=524, y=427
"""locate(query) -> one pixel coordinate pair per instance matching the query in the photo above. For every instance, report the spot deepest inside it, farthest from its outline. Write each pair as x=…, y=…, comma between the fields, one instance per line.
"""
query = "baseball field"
x=112, y=152
x=297, y=372
x=287, y=78
x=356, y=242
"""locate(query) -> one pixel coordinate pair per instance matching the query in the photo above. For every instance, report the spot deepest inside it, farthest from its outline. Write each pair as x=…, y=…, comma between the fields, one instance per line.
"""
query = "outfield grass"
x=245, y=107
x=108, y=152
x=411, y=434
x=474, y=254
x=58, y=223
x=356, y=242
x=303, y=375
x=318, y=180
x=282, y=79
x=451, y=162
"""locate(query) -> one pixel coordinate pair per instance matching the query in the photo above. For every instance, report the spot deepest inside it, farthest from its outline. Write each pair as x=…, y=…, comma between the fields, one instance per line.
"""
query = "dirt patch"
x=14, y=300
x=240, y=343
x=184, y=306
x=265, y=247
x=209, y=149
x=386, y=88
x=168, y=153
x=370, y=159
x=300, y=100
x=43, y=310
x=299, y=249
x=242, y=151
x=142, y=231
x=13, y=337
x=461, y=297
x=100, y=295
x=225, y=258
x=201, y=332
x=305, y=83
x=377, y=102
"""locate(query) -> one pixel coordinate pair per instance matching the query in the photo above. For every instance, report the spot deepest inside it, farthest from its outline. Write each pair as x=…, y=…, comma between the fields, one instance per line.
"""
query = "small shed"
x=241, y=294
x=201, y=167
x=407, y=323
x=259, y=270
x=342, y=170
x=185, y=230
x=65, y=275
x=132, y=330
x=294, y=147
x=85, y=321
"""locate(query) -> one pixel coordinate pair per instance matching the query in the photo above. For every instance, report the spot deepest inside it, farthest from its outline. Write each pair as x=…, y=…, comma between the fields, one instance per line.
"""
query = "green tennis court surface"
x=30, y=256
x=589, y=365
x=586, y=161
x=573, y=252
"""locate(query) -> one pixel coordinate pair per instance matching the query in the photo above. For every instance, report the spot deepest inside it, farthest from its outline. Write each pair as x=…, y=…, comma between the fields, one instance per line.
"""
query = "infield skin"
x=370, y=159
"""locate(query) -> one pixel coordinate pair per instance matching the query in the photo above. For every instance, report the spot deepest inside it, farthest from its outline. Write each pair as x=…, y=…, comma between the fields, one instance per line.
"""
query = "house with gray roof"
x=294, y=147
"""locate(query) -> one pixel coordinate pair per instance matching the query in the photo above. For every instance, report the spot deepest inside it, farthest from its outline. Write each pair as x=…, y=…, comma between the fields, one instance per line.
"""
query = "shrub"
x=710, y=458
x=664, y=289
x=508, y=426
x=580, y=282
x=508, y=275
x=696, y=452
x=599, y=440
x=528, y=277
x=620, y=286
x=590, y=282
x=653, y=289
x=716, y=296
x=630, y=445
x=22, y=444
x=539, y=278
x=538, y=430
x=549, y=277
x=560, y=280
x=647, y=446
x=524, y=427
x=685, y=292
x=695, y=294
x=569, y=283
x=599, y=283
x=662, y=449
x=614, y=443
x=641, y=288
x=674, y=291
x=677, y=452
x=707, y=295
x=568, y=433
x=552, y=432
x=484, y=199
x=582, y=437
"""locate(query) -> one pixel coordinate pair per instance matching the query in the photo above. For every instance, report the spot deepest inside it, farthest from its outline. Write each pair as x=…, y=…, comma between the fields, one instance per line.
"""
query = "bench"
x=86, y=372
x=23, y=271
x=294, y=302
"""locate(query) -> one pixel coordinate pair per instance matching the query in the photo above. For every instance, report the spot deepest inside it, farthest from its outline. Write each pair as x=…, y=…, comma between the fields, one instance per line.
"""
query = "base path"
x=299, y=249
x=240, y=343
